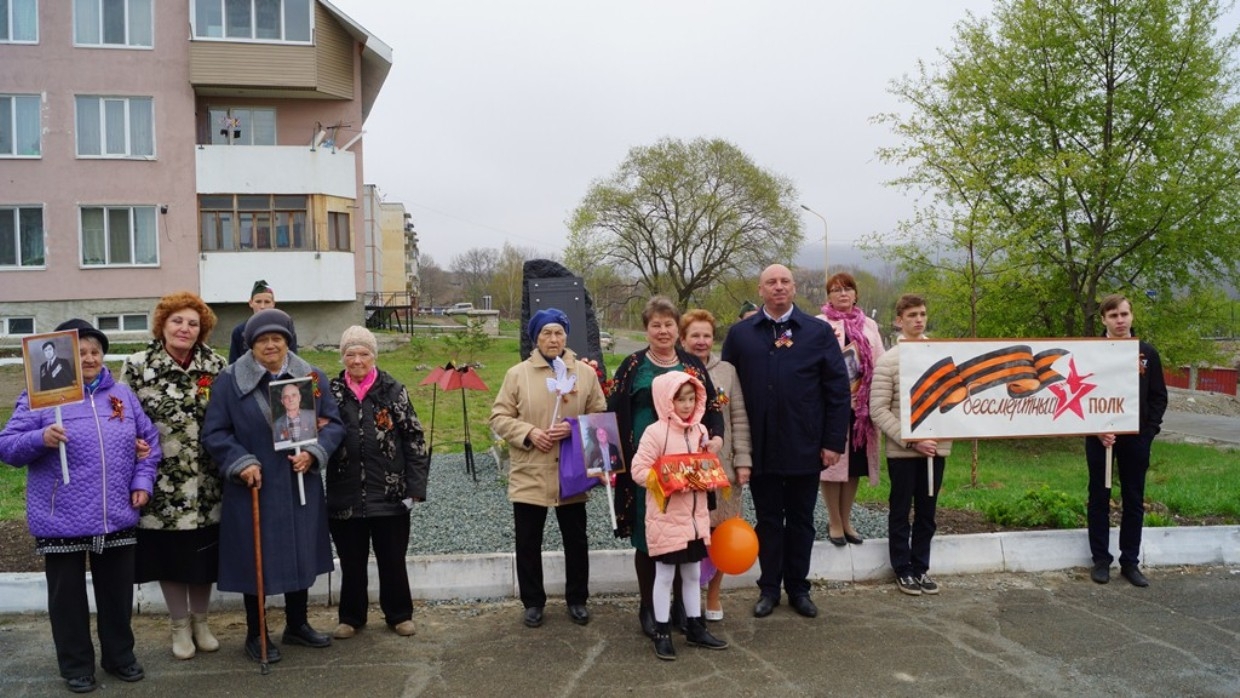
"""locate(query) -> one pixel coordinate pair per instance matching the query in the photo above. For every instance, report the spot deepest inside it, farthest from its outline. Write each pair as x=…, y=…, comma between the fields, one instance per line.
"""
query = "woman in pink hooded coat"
x=678, y=532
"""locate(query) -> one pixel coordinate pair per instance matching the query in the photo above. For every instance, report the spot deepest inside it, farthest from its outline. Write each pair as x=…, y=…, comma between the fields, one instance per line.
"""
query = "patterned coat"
x=187, y=491
x=382, y=459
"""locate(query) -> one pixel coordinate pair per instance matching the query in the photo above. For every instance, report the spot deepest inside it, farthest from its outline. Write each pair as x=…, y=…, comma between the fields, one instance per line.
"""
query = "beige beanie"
x=358, y=336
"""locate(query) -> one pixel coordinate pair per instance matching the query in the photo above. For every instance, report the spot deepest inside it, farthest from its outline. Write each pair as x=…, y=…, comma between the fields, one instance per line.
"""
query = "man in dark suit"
x=54, y=372
x=296, y=425
x=796, y=394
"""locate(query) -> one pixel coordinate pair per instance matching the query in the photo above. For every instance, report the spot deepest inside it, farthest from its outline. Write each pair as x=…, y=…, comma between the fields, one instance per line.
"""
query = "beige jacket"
x=523, y=403
x=885, y=406
x=736, y=451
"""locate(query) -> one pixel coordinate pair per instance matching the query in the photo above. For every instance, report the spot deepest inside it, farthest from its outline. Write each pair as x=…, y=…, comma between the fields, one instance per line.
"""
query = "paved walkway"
x=1046, y=634
x=1224, y=430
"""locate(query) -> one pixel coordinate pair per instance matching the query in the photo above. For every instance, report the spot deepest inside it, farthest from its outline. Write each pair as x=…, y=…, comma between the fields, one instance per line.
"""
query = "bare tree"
x=474, y=269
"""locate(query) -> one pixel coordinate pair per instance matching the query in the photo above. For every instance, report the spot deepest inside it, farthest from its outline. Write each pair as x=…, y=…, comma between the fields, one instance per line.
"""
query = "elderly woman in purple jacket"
x=95, y=514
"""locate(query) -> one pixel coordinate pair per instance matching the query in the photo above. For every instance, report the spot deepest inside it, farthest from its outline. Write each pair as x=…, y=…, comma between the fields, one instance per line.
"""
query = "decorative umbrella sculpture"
x=463, y=379
x=432, y=379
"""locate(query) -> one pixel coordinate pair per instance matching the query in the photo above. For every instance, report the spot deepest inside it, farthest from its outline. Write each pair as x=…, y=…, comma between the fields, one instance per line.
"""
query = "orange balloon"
x=734, y=546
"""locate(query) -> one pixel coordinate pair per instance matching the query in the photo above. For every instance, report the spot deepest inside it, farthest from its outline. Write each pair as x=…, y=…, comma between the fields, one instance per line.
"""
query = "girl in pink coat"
x=678, y=532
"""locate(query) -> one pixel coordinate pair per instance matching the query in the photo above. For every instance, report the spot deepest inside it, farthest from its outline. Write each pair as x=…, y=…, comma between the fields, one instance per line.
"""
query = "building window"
x=254, y=222
x=112, y=23
x=21, y=237
x=259, y=20
x=16, y=325
x=20, y=128
x=242, y=126
x=19, y=21
x=338, y=231
x=115, y=127
x=119, y=236
x=135, y=322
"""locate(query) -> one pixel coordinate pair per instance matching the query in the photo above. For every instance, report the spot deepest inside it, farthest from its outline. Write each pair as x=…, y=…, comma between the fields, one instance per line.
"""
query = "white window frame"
x=216, y=126
x=15, y=210
x=6, y=326
x=119, y=322
x=8, y=9
x=128, y=43
x=107, y=262
x=12, y=108
x=222, y=6
x=102, y=101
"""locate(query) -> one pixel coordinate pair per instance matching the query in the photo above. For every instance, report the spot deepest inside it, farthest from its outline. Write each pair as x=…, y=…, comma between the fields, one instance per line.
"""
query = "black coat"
x=796, y=396
x=382, y=459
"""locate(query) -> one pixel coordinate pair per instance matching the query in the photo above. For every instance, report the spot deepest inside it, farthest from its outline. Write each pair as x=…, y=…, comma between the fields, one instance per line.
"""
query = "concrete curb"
x=493, y=575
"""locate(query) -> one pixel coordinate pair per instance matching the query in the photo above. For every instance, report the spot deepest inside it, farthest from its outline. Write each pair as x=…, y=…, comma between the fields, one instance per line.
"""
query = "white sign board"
x=968, y=389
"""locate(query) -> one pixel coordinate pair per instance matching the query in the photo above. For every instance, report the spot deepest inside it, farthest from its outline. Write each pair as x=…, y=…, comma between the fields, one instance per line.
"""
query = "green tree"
x=1072, y=148
x=682, y=216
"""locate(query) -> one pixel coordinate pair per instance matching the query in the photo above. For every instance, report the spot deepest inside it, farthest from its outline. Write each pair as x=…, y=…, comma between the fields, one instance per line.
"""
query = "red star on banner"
x=1077, y=388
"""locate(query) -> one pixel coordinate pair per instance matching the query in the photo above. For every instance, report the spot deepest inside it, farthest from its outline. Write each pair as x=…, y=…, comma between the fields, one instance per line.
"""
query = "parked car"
x=459, y=309
x=606, y=342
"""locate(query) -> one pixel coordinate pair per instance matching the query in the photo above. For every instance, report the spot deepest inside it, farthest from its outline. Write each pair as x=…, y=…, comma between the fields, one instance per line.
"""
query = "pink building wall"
x=61, y=181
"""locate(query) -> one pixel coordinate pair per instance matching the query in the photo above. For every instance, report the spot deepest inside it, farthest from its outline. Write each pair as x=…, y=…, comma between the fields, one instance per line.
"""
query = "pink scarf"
x=360, y=389
x=854, y=328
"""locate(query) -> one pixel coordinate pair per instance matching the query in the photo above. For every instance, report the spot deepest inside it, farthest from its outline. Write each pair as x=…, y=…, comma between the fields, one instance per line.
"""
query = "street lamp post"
x=825, y=257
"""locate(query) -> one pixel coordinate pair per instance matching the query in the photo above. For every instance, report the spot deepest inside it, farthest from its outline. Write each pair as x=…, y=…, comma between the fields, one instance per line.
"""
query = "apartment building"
x=147, y=147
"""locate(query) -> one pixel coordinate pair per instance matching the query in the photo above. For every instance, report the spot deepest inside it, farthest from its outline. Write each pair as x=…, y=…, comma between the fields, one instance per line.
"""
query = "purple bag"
x=573, y=478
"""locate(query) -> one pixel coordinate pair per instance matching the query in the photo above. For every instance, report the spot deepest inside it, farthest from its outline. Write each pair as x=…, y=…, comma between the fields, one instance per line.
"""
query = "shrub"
x=1042, y=507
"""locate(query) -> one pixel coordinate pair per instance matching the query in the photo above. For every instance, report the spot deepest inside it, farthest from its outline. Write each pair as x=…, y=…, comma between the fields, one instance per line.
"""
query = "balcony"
x=275, y=169
x=305, y=276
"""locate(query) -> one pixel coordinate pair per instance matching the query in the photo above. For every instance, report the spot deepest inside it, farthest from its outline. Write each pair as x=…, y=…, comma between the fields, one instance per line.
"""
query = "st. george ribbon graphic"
x=945, y=385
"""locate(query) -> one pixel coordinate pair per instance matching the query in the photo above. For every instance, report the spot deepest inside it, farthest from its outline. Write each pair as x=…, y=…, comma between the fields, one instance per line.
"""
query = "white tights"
x=690, y=579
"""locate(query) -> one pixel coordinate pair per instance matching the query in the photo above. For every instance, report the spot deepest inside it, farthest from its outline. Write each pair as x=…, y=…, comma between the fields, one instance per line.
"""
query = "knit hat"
x=269, y=320
x=261, y=286
x=85, y=329
x=358, y=336
x=746, y=307
x=544, y=317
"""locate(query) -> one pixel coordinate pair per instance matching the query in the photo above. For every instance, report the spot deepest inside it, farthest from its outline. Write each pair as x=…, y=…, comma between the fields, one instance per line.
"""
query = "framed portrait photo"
x=53, y=369
x=293, y=414
x=600, y=439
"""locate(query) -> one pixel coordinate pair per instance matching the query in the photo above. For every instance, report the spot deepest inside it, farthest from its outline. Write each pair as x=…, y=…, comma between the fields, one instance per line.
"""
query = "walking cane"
x=262, y=599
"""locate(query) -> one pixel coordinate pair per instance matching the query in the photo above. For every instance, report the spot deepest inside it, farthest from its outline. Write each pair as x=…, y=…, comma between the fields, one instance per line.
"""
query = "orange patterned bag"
x=677, y=472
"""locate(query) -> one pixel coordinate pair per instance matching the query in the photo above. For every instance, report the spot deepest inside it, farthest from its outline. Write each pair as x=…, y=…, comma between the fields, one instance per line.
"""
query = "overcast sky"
x=498, y=115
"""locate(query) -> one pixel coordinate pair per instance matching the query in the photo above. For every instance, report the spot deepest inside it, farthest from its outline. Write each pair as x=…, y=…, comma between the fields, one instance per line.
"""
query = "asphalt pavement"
x=1044, y=634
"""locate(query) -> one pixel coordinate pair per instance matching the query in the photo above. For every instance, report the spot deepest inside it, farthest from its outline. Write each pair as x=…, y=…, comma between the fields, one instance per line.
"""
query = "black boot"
x=645, y=614
x=663, y=648
x=678, y=615
x=699, y=636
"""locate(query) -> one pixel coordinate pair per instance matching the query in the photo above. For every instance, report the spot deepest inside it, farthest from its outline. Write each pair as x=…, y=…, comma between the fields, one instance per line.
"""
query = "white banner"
x=965, y=389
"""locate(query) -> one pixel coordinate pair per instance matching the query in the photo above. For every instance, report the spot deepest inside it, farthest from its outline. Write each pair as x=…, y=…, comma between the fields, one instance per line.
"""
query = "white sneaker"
x=714, y=615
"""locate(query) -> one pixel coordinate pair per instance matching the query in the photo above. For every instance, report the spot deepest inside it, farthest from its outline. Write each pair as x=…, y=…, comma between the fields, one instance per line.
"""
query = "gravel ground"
x=463, y=516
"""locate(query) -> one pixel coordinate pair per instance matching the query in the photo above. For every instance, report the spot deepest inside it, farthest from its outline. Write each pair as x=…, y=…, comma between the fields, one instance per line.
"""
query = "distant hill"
x=810, y=257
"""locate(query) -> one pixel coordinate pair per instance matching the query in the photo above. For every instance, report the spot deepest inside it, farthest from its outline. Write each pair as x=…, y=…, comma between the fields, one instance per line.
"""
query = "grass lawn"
x=1033, y=482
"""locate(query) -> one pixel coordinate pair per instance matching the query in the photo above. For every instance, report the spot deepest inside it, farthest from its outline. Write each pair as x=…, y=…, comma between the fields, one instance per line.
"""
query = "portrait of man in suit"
x=55, y=371
x=293, y=423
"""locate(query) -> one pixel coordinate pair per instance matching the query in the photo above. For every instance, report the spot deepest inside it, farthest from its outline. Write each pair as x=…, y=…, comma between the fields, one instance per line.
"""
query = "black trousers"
x=529, y=521
x=112, y=573
x=785, y=509
x=1132, y=456
x=390, y=537
x=295, y=611
x=909, y=546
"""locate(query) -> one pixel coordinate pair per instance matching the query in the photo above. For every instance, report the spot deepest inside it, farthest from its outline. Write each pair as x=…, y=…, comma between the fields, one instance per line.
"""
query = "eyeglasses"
x=841, y=289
